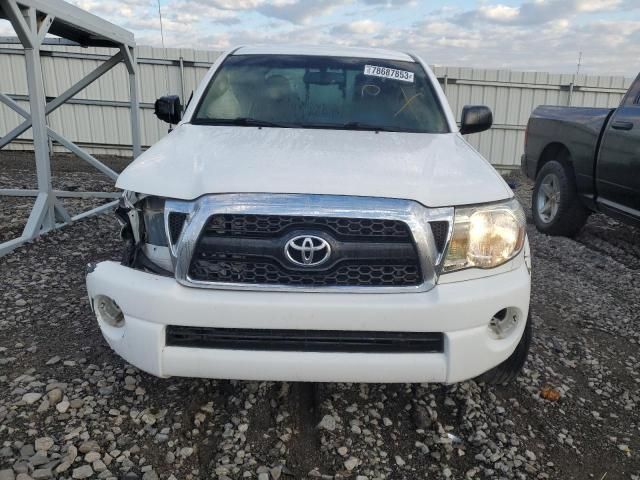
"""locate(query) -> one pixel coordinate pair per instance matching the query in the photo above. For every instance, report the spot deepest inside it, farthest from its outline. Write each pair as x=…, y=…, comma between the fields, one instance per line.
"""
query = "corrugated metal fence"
x=514, y=95
x=98, y=117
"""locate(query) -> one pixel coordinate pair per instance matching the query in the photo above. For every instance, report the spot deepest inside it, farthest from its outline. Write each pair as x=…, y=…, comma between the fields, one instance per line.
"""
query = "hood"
x=433, y=169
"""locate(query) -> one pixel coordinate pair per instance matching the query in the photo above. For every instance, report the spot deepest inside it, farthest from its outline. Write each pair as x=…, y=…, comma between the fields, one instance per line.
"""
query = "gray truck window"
x=322, y=92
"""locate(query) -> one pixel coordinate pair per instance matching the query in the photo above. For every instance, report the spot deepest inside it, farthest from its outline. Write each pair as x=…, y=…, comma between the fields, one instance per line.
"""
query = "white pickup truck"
x=316, y=215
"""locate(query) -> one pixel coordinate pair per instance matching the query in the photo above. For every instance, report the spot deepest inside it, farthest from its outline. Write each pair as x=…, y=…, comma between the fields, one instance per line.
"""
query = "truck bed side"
x=566, y=134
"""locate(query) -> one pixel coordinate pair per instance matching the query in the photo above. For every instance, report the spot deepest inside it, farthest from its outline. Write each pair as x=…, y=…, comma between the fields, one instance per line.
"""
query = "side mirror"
x=475, y=118
x=168, y=109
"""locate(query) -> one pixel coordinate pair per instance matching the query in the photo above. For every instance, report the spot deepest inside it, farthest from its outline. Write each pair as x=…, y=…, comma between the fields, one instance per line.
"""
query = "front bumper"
x=461, y=310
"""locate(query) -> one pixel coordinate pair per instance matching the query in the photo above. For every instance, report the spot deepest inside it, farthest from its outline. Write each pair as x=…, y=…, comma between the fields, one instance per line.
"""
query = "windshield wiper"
x=350, y=126
x=254, y=122
x=367, y=126
x=242, y=121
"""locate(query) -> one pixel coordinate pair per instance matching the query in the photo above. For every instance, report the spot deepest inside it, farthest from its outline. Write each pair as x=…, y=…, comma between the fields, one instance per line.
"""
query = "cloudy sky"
x=517, y=34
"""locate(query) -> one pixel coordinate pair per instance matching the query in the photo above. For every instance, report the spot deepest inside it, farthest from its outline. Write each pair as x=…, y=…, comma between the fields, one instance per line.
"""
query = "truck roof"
x=326, y=50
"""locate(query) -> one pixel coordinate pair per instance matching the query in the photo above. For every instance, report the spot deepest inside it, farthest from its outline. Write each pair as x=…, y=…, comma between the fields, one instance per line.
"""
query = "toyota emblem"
x=307, y=250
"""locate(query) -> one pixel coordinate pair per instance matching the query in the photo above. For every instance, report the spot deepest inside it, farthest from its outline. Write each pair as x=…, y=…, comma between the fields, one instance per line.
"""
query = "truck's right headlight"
x=156, y=246
x=485, y=236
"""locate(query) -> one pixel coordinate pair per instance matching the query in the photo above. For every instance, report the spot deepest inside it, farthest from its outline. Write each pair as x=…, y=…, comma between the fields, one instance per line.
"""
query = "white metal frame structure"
x=32, y=20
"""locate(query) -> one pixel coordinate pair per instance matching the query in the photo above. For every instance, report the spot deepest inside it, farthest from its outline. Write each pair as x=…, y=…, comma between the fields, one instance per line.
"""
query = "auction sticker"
x=391, y=73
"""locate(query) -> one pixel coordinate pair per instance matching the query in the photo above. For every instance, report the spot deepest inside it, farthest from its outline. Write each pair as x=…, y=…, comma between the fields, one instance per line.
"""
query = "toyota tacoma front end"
x=318, y=216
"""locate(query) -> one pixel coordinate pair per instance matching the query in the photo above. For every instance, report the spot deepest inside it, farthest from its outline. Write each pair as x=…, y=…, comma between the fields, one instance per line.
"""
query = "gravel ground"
x=70, y=408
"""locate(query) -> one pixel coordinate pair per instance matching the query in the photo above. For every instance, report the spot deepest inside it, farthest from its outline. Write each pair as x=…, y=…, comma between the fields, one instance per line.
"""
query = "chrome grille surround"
x=415, y=215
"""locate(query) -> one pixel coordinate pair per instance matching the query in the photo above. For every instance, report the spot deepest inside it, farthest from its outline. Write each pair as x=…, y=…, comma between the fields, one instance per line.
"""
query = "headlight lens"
x=153, y=213
x=485, y=236
x=155, y=245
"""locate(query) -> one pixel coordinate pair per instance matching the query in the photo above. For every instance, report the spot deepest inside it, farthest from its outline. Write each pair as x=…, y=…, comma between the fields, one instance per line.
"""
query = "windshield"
x=321, y=92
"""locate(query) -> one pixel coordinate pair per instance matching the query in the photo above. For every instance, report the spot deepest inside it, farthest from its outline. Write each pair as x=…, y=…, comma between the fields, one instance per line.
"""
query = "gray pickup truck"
x=584, y=160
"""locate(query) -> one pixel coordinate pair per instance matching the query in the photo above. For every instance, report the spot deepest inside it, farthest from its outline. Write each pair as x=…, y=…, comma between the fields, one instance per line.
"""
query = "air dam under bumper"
x=460, y=310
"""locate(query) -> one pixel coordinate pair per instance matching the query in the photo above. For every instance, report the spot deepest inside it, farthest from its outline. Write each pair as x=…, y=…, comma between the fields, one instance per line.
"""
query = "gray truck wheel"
x=511, y=367
x=555, y=205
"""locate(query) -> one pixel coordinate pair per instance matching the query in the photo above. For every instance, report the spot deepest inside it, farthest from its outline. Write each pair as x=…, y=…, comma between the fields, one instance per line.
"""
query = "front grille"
x=250, y=249
x=440, y=230
x=305, y=340
x=176, y=224
x=243, y=269
x=271, y=225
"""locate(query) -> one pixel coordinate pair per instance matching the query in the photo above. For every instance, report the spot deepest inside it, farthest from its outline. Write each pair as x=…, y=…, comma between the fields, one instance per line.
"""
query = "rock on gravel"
x=91, y=457
x=150, y=475
x=328, y=422
x=43, y=443
x=351, y=463
x=89, y=446
x=31, y=398
x=63, y=406
x=54, y=396
x=53, y=360
x=85, y=471
x=42, y=474
x=7, y=474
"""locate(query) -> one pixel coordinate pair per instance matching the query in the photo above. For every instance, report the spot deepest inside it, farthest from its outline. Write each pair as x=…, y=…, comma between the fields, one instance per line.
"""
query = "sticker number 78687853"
x=386, y=72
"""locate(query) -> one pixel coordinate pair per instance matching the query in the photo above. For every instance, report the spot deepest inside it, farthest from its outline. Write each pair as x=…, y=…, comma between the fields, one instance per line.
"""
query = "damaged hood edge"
x=433, y=169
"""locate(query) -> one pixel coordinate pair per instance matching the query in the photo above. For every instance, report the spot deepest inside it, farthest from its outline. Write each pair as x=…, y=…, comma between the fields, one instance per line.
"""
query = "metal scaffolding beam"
x=32, y=20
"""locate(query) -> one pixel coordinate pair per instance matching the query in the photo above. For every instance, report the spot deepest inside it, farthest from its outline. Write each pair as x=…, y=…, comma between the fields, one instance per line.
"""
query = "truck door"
x=618, y=165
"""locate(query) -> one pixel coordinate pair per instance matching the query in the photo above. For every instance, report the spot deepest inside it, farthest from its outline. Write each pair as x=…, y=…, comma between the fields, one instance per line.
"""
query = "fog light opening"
x=108, y=311
x=503, y=322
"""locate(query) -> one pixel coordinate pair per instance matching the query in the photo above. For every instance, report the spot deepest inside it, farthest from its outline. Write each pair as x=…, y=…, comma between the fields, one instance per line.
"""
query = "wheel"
x=555, y=205
x=510, y=368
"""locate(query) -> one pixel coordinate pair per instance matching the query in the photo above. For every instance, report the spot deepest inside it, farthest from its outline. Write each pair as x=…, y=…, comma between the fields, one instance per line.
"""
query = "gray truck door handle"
x=622, y=125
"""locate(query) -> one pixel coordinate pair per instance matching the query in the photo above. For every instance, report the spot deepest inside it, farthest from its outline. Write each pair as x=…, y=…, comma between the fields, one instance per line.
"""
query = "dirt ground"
x=71, y=408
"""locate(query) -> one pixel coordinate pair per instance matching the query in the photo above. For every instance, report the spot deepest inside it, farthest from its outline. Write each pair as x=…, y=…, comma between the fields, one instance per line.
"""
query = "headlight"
x=156, y=245
x=153, y=214
x=485, y=236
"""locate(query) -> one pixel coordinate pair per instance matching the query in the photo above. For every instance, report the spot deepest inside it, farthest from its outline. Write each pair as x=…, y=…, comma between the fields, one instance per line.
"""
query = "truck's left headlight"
x=485, y=236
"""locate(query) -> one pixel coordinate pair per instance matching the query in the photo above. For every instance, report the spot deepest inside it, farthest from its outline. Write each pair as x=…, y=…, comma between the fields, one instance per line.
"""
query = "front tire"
x=555, y=205
x=509, y=370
